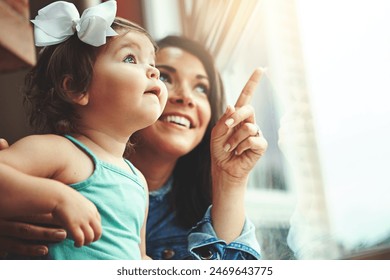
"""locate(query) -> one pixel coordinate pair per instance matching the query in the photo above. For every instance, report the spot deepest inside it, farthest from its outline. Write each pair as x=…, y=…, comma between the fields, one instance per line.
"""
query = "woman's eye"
x=201, y=88
x=130, y=59
x=165, y=78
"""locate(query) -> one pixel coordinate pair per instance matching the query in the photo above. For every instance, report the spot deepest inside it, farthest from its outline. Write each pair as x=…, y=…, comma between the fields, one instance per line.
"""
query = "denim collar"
x=163, y=190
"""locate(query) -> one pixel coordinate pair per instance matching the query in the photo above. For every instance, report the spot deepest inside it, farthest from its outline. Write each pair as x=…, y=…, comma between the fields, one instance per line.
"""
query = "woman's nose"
x=153, y=72
x=182, y=95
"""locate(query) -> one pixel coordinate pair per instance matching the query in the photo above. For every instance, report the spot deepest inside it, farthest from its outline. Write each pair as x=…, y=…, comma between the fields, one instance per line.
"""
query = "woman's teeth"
x=178, y=120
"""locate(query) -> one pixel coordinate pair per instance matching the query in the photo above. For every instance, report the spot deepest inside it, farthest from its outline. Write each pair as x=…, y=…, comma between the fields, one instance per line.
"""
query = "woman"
x=174, y=156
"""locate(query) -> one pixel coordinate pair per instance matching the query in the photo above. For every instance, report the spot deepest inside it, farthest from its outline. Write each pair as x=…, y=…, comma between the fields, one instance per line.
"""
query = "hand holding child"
x=74, y=212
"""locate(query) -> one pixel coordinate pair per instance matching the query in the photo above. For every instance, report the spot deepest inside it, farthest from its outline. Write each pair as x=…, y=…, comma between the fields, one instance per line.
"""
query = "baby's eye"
x=130, y=59
x=201, y=88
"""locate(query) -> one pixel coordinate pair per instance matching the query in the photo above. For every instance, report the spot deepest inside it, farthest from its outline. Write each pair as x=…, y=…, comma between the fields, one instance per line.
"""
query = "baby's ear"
x=80, y=98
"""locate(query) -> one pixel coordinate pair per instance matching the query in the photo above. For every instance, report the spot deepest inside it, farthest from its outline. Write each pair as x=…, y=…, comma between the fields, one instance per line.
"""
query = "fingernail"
x=41, y=251
x=226, y=148
x=60, y=235
x=229, y=122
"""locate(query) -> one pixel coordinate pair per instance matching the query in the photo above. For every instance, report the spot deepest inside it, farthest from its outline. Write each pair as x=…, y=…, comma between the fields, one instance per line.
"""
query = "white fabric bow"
x=58, y=21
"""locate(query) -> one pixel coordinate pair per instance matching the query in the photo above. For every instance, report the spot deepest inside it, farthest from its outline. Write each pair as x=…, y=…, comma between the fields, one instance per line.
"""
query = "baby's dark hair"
x=64, y=71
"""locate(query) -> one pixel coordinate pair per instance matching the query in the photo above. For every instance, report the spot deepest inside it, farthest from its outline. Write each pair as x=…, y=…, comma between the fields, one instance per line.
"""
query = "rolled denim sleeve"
x=203, y=242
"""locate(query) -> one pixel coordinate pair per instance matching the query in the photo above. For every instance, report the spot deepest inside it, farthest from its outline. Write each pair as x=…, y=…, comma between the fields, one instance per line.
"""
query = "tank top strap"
x=82, y=147
x=132, y=168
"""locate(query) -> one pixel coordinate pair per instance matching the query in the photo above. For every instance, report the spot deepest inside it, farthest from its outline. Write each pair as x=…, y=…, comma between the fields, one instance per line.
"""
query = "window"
x=293, y=190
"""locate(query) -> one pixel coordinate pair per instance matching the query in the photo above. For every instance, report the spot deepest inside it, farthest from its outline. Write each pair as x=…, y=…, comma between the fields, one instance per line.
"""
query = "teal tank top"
x=120, y=198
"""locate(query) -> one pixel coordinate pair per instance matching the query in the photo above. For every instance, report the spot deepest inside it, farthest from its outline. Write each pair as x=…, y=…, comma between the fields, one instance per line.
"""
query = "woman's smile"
x=177, y=120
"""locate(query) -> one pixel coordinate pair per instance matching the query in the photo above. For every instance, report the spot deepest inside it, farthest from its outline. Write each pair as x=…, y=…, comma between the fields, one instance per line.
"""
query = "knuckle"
x=23, y=229
x=246, y=91
x=249, y=109
x=47, y=234
x=265, y=144
x=99, y=232
x=260, y=143
x=247, y=127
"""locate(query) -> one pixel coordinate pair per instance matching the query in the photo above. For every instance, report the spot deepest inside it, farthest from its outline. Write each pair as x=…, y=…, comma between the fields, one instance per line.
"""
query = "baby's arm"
x=143, y=236
x=142, y=246
x=26, y=190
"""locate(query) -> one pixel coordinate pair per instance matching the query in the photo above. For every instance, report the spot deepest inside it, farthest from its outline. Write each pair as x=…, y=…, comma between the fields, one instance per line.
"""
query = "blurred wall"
x=13, y=124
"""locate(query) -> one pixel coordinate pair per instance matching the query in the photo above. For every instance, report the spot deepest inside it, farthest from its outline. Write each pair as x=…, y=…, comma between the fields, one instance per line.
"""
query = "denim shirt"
x=166, y=239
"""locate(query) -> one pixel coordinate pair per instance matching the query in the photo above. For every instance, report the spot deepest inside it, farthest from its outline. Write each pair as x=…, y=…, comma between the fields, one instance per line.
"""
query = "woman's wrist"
x=228, y=211
x=223, y=181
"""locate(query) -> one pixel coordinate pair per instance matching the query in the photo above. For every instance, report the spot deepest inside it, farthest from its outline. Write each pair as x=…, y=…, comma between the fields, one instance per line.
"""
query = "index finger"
x=247, y=92
x=46, y=219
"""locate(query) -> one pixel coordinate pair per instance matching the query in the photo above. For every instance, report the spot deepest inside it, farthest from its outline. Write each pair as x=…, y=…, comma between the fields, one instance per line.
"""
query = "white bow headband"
x=56, y=22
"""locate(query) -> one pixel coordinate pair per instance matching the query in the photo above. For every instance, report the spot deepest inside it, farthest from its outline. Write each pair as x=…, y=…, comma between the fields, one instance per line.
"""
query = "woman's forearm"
x=228, y=211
